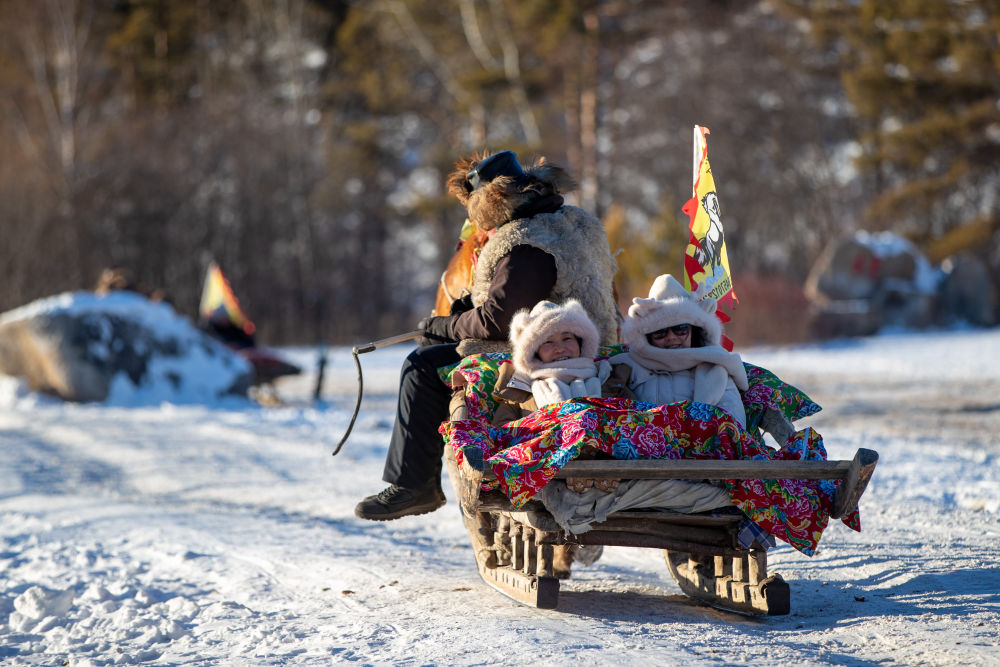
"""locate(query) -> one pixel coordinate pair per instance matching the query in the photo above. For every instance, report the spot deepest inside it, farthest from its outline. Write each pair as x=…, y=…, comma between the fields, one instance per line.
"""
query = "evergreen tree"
x=924, y=79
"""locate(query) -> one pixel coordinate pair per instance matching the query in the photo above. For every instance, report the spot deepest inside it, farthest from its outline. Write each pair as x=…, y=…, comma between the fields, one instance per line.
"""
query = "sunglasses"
x=679, y=330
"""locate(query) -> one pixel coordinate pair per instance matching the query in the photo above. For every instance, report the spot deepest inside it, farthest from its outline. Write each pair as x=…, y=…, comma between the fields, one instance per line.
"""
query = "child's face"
x=559, y=346
x=672, y=337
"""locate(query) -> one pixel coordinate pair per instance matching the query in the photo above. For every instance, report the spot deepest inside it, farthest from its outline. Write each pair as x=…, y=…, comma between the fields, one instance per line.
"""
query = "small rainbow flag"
x=218, y=301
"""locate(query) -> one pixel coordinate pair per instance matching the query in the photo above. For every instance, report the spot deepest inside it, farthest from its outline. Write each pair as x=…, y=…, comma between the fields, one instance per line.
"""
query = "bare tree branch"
x=512, y=70
x=470, y=26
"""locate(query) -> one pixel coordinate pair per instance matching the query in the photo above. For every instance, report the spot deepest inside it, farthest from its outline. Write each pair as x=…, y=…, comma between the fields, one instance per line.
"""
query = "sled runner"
x=516, y=548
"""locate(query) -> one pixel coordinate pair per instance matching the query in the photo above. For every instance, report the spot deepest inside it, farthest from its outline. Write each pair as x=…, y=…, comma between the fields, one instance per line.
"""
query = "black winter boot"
x=397, y=501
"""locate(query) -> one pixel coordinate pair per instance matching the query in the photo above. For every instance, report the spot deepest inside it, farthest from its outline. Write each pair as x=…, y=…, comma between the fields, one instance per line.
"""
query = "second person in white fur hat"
x=675, y=351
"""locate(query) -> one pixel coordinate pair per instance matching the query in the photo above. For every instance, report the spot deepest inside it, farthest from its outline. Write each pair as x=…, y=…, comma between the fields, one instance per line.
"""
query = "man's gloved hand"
x=461, y=305
x=436, y=330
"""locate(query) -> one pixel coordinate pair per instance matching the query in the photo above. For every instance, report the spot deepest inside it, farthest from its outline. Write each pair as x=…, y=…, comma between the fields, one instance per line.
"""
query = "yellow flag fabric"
x=468, y=229
x=706, y=260
x=218, y=301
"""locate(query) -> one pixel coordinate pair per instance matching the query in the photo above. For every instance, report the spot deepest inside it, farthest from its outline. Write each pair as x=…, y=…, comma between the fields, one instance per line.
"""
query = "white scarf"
x=664, y=360
x=570, y=378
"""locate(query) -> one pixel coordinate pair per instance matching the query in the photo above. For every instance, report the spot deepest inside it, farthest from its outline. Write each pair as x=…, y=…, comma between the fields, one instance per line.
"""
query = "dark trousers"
x=416, y=447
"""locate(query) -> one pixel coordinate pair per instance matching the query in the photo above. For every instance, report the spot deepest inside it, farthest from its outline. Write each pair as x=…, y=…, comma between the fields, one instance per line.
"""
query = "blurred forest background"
x=303, y=144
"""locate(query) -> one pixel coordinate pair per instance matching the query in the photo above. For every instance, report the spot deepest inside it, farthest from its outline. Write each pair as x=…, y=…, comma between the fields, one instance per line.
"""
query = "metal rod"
x=320, y=372
x=369, y=347
x=391, y=340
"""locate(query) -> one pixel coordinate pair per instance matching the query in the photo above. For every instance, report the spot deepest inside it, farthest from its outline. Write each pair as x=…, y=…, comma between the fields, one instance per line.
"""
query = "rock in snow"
x=120, y=347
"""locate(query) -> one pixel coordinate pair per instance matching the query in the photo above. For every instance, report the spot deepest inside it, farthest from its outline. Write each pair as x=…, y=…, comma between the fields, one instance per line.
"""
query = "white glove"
x=549, y=390
x=591, y=387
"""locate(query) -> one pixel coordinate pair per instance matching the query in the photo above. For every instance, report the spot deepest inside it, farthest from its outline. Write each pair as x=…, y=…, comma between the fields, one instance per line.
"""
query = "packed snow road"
x=225, y=534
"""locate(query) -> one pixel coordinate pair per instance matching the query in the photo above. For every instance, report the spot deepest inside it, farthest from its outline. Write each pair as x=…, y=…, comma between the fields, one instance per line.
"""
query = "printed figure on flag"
x=706, y=262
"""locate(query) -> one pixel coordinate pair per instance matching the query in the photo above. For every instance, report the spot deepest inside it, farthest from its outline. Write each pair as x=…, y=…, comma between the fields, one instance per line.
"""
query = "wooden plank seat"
x=516, y=549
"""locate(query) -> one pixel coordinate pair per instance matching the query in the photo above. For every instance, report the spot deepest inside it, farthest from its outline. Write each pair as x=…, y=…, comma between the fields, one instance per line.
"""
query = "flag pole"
x=696, y=163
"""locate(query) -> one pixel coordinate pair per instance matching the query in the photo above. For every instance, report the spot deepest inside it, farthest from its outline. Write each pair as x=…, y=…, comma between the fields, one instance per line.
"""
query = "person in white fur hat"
x=675, y=351
x=552, y=360
x=553, y=348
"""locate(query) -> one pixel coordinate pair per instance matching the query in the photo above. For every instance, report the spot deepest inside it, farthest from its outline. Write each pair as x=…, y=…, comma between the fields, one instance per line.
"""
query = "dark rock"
x=78, y=346
x=968, y=293
x=867, y=281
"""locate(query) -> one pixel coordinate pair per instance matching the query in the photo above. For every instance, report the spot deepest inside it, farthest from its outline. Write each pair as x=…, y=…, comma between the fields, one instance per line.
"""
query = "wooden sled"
x=515, y=549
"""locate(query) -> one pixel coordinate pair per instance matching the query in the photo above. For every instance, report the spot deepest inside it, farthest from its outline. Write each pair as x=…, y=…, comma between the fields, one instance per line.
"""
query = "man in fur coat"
x=538, y=249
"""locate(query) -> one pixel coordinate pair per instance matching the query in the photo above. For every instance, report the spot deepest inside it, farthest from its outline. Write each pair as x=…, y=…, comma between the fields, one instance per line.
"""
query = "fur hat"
x=529, y=329
x=493, y=186
x=669, y=304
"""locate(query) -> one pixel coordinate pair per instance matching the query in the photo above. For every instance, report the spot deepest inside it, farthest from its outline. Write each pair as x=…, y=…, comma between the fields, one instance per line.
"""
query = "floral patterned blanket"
x=524, y=455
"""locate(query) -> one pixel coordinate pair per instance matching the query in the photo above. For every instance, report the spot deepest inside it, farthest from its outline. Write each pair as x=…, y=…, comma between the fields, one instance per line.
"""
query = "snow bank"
x=930, y=356
x=119, y=348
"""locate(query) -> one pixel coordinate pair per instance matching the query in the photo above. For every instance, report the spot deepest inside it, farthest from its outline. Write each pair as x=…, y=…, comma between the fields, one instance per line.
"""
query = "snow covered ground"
x=224, y=534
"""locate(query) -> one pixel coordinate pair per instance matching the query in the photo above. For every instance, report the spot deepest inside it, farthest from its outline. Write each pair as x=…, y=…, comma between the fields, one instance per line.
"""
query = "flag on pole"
x=706, y=261
x=219, y=304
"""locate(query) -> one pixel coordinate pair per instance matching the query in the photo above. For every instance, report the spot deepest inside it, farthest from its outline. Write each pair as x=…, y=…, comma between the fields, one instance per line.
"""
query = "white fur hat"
x=669, y=304
x=529, y=329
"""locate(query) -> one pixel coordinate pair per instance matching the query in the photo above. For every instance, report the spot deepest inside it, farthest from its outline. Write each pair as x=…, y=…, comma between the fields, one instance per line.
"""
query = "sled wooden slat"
x=700, y=534
x=676, y=518
x=855, y=482
x=613, y=538
x=531, y=588
x=712, y=469
x=674, y=469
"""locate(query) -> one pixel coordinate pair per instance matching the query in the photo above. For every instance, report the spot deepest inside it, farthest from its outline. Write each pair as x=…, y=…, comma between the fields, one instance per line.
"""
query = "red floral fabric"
x=524, y=455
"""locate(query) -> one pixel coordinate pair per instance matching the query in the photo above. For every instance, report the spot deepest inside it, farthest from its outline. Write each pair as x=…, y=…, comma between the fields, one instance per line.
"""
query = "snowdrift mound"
x=120, y=348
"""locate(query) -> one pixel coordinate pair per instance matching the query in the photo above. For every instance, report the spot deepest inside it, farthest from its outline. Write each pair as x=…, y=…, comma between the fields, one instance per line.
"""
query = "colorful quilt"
x=524, y=455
